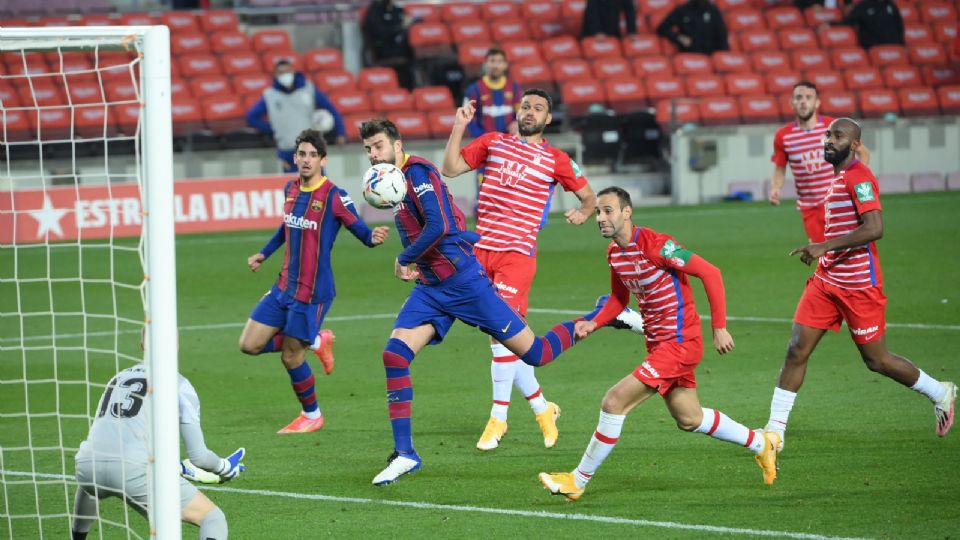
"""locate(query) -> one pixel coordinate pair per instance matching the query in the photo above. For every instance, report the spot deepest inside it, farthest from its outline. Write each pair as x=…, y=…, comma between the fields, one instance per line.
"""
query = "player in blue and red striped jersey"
x=497, y=97
x=289, y=316
x=655, y=268
x=451, y=285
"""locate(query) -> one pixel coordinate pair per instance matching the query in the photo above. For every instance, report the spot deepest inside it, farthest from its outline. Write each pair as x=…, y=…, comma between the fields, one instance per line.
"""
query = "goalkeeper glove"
x=195, y=474
x=230, y=467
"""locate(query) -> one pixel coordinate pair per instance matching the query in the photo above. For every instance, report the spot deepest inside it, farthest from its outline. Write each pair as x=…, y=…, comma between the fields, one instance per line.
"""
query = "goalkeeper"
x=112, y=461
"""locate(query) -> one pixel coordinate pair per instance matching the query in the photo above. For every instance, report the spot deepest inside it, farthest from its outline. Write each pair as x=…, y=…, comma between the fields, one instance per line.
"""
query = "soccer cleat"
x=325, y=351
x=943, y=408
x=397, y=465
x=302, y=424
x=628, y=319
x=767, y=458
x=561, y=484
x=548, y=424
x=492, y=434
x=782, y=435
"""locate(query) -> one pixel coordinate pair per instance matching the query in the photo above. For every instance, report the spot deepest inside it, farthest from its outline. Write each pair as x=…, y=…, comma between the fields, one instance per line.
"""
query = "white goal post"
x=158, y=290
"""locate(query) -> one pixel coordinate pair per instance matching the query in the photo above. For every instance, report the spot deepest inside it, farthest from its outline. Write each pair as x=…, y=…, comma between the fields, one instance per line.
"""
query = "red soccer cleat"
x=325, y=351
x=302, y=424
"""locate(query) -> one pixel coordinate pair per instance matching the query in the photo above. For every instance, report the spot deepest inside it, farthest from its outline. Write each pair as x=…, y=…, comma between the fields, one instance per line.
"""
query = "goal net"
x=86, y=264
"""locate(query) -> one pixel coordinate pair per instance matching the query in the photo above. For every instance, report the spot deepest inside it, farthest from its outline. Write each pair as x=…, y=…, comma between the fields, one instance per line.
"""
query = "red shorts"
x=670, y=364
x=814, y=222
x=512, y=273
x=825, y=306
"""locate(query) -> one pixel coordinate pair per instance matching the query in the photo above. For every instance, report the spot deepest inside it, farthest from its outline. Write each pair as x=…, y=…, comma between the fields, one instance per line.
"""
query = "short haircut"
x=806, y=84
x=313, y=137
x=494, y=51
x=282, y=62
x=621, y=194
x=379, y=125
x=541, y=93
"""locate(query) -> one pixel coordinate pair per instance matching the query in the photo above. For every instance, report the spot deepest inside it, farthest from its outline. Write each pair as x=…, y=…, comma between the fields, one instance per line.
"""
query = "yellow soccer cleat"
x=548, y=424
x=767, y=458
x=561, y=484
x=492, y=434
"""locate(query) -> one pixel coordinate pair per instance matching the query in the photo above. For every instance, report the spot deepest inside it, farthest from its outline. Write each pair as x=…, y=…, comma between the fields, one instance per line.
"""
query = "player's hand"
x=684, y=40
x=231, y=466
x=809, y=253
x=254, y=261
x=379, y=235
x=722, y=340
x=195, y=474
x=774, y=197
x=465, y=114
x=584, y=328
x=576, y=216
x=405, y=273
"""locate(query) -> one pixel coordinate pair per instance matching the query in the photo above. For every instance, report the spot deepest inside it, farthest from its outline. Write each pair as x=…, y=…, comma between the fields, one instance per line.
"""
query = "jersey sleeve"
x=863, y=189
x=663, y=250
x=567, y=172
x=475, y=153
x=779, y=157
x=437, y=221
x=345, y=211
x=189, y=402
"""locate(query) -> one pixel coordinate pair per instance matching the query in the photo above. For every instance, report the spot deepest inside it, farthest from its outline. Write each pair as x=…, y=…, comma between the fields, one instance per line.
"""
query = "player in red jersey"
x=848, y=286
x=520, y=174
x=655, y=268
x=800, y=143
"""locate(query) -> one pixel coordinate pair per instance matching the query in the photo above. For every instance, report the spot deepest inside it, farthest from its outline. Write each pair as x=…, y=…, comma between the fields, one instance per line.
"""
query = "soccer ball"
x=384, y=185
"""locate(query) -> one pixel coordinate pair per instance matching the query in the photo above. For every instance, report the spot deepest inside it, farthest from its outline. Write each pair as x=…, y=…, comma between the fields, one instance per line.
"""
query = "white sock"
x=313, y=415
x=316, y=342
x=780, y=406
x=526, y=381
x=720, y=426
x=928, y=386
x=600, y=446
x=502, y=371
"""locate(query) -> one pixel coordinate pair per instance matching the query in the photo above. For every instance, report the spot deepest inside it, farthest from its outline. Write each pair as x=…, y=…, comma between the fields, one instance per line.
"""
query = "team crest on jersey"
x=316, y=205
x=512, y=173
x=864, y=192
x=675, y=253
x=812, y=160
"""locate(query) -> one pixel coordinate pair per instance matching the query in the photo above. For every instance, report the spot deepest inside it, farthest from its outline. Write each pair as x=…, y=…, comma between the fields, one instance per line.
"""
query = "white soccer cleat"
x=632, y=319
x=943, y=408
x=397, y=466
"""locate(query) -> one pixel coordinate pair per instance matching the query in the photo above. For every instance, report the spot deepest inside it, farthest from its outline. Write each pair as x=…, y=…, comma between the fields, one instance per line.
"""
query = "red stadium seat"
x=656, y=5
x=251, y=83
x=8, y=96
x=813, y=59
x=467, y=30
x=837, y=36
x=611, y=68
x=729, y=5
x=45, y=93
x=640, y=45
x=519, y=52
x=877, y=103
x=219, y=20
x=533, y=75
x=352, y=123
x=744, y=84
x=945, y=32
x=692, y=64
x=424, y=12
x=223, y=114
x=758, y=41
x=85, y=92
x=230, y=42
x=334, y=80
x=901, y=76
x=571, y=13
x=730, y=62
x=180, y=89
x=784, y=17
x=241, y=62
x=781, y=82
x=350, y=101
x=195, y=65
x=504, y=30
x=322, y=59
x=826, y=80
x=547, y=29
x=665, y=87
x=839, y=104
x=680, y=111
x=570, y=70
x=126, y=117
x=412, y=124
x=440, y=123
x=579, y=95
x=821, y=16
x=180, y=22
x=940, y=75
x=94, y=121
x=917, y=33
x=560, y=47
x=459, y=11
x=949, y=97
x=51, y=124
x=188, y=43
x=792, y=39
x=758, y=109
x=705, y=86
x=767, y=61
x=744, y=20
x=719, y=111
x=94, y=19
x=540, y=10
x=32, y=63
x=210, y=85
x=918, y=101
x=187, y=116
x=373, y=78
x=16, y=127
x=430, y=39
x=431, y=98
x=927, y=53
x=865, y=78
x=938, y=12
x=625, y=95
x=497, y=11
x=136, y=19
x=77, y=66
x=849, y=57
x=388, y=100
x=652, y=66
x=471, y=56
x=600, y=47
x=271, y=40
x=887, y=55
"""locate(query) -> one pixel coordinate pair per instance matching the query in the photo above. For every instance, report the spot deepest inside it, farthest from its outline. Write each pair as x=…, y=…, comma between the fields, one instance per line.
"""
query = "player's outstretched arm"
x=871, y=229
x=588, y=205
x=266, y=251
x=254, y=261
x=722, y=340
x=379, y=235
x=453, y=162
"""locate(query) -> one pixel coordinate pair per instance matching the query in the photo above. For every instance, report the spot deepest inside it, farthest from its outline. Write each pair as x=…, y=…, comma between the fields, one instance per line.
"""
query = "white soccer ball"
x=323, y=121
x=384, y=185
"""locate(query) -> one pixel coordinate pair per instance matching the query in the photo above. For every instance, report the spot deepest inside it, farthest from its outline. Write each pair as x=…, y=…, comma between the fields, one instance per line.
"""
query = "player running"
x=451, y=285
x=112, y=461
x=848, y=286
x=289, y=316
x=521, y=172
x=800, y=143
x=654, y=268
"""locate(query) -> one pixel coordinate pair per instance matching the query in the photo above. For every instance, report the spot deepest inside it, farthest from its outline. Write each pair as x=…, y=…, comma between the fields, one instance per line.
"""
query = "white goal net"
x=86, y=262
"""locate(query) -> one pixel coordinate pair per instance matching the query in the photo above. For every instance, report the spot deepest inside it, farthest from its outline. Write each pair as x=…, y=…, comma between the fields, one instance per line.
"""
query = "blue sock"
x=302, y=380
x=396, y=362
x=274, y=344
x=548, y=347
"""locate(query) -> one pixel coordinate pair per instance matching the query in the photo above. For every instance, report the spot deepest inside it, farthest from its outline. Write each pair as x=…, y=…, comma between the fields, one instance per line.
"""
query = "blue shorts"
x=468, y=296
x=294, y=318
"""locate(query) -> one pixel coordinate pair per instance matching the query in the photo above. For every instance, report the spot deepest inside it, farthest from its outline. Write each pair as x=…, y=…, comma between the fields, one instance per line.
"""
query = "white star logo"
x=48, y=218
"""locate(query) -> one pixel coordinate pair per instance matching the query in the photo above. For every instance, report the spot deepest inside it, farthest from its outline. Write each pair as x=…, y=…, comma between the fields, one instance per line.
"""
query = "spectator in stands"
x=603, y=17
x=496, y=96
x=695, y=26
x=385, y=28
x=289, y=106
x=877, y=22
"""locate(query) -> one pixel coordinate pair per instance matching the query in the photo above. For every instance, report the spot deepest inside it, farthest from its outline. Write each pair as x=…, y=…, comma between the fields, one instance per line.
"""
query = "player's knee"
x=214, y=524
x=687, y=423
x=246, y=347
x=612, y=403
x=397, y=355
x=876, y=364
x=797, y=352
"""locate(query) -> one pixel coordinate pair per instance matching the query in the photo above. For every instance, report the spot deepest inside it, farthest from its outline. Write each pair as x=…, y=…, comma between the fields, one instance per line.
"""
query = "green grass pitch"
x=861, y=457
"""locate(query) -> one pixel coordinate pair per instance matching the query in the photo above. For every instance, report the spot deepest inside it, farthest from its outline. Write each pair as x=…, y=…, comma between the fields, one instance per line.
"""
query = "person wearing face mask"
x=288, y=107
x=696, y=26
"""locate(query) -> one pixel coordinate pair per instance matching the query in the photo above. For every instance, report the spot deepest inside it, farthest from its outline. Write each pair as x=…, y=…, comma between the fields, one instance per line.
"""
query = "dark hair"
x=806, y=84
x=620, y=193
x=313, y=137
x=541, y=93
x=282, y=61
x=493, y=51
x=379, y=125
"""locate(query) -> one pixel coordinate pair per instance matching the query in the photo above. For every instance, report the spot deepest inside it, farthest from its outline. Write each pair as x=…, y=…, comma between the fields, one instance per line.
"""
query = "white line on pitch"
x=485, y=510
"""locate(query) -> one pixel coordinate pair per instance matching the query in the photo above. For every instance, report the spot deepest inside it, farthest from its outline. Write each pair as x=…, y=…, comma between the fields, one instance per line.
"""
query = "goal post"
x=155, y=252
